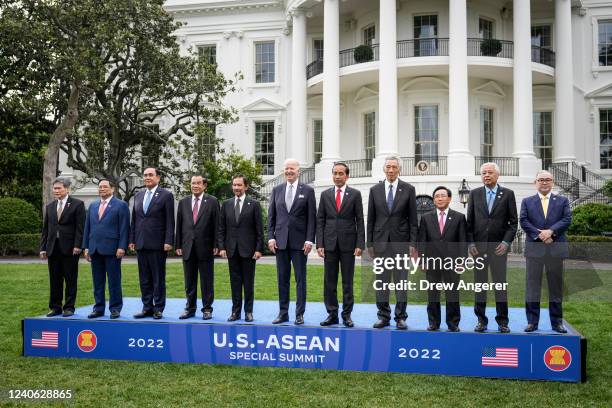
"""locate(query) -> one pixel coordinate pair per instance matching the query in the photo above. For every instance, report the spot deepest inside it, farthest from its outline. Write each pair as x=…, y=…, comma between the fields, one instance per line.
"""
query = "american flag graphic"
x=46, y=339
x=500, y=357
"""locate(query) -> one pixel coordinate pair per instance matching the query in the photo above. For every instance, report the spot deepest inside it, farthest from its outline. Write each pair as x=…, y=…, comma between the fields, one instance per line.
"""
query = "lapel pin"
x=449, y=218
x=248, y=203
x=301, y=196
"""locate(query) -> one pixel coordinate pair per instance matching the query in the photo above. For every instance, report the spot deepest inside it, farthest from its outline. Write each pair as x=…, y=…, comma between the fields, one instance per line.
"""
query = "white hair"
x=495, y=166
x=542, y=172
x=291, y=160
x=392, y=158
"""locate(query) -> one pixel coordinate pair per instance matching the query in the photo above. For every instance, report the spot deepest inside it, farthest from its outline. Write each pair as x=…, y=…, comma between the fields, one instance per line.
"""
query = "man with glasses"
x=545, y=217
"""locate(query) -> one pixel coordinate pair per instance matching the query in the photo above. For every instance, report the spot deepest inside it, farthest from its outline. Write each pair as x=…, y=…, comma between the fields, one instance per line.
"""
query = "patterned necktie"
x=60, y=208
x=545, y=206
x=147, y=201
x=101, y=209
x=338, y=199
x=441, y=222
x=390, y=198
x=289, y=197
x=237, y=211
x=195, y=210
x=490, y=199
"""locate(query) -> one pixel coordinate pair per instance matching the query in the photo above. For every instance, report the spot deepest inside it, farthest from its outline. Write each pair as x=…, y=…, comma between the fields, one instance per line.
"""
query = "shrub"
x=21, y=244
x=363, y=53
x=591, y=219
x=608, y=189
x=490, y=47
x=17, y=216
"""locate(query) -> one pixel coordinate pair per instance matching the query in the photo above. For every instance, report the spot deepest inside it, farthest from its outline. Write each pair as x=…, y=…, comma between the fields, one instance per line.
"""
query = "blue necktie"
x=147, y=201
x=390, y=198
x=490, y=199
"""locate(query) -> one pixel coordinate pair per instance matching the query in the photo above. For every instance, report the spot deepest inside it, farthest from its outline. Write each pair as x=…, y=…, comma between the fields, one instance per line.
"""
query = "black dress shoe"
x=143, y=314
x=453, y=329
x=68, y=313
x=248, y=317
x=157, y=315
x=331, y=319
x=401, y=324
x=480, y=327
x=299, y=319
x=280, y=319
x=233, y=317
x=115, y=314
x=348, y=322
x=432, y=327
x=187, y=314
x=207, y=316
x=531, y=328
x=559, y=328
x=504, y=328
x=95, y=314
x=54, y=313
x=381, y=323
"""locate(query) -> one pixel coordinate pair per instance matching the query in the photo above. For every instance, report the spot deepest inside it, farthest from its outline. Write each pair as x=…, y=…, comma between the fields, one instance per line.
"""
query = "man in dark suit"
x=291, y=228
x=152, y=235
x=492, y=223
x=61, y=243
x=196, y=241
x=241, y=242
x=392, y=230
x=442, y=234
x=545, y=217
x=106, y=239
x=340, y=238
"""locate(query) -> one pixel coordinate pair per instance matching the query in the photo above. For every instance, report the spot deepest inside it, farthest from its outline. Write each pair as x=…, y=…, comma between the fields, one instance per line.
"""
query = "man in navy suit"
x=107, y=230
x=152, y=235
x=545, y=217
x=291, y=228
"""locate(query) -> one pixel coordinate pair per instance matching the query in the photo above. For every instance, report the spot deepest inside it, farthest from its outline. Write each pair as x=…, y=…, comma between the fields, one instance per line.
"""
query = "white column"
x=331, y=89
x=563, y=132
x=387, y=79
x=522, y=92
x=298, y=88
x=460, y=159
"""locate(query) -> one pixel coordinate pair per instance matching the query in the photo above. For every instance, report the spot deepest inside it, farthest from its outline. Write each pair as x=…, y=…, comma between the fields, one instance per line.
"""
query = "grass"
x=95, y=383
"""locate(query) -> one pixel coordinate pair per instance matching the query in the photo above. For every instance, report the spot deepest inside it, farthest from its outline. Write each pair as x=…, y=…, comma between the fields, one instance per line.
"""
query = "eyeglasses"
x=546, y=180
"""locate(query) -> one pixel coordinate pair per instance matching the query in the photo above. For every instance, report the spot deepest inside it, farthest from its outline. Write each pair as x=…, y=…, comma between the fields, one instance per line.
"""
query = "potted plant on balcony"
x=363, y=53
x=490, y=47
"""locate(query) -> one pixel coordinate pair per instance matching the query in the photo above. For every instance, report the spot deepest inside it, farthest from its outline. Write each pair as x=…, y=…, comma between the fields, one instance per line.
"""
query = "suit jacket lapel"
x=245, y=205
x=106, y=210
x=64, y=210
x=498, y=197
x=296, y=194
x=395, y=197
x=345, y=198
x=384, y=194
x=449, y=219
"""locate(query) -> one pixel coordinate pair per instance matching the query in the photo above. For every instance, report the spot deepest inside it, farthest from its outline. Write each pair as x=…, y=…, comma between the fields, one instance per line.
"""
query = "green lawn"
x=24, y=292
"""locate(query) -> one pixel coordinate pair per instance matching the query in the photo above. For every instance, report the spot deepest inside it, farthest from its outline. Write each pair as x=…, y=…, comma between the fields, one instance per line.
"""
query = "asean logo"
x=557, y=358
x=87, y=341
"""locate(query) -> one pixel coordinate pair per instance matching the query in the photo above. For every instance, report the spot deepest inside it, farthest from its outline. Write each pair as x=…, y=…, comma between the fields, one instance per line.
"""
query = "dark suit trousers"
x=62, y=268
x=205, y=266
x=401, y=296
x=497, y=265
x=284, y=259
x=554, y=276
x=242, y=275
x=101, y=265
x=453, y=311
x=346, y=262
x=152, y=274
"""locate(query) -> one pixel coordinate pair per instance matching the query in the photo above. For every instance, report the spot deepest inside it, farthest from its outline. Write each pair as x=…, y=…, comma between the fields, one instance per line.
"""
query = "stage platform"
x=542, y=355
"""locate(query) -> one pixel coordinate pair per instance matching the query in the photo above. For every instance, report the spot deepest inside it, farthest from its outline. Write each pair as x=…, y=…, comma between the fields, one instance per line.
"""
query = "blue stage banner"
x=517, y=356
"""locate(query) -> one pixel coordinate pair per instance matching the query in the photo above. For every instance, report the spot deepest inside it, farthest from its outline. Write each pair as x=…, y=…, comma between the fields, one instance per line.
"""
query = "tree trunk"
x=55, y=141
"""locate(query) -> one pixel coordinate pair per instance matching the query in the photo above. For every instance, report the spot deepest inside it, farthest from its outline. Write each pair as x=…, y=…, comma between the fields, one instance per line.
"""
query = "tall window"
x=369, y=35
x=206, y=143
x=264, y=146
x=541, y=36
x=485, y=29
x=425, y=33
x=208, y=53
x=486, y=132
x=264, y=62
x=605, y=139
x=542, y=137
x=317, y=131
x=369, y=137
x=426, y=132
x=604, y=42
x=317, y=50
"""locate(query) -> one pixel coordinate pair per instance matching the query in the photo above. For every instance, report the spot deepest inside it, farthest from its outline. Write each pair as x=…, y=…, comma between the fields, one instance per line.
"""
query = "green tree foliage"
x=591, y=219
x=18, y=217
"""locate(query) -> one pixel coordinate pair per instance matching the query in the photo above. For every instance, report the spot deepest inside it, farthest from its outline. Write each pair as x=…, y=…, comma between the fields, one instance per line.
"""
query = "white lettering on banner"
x=286, y=357
x=285, y=342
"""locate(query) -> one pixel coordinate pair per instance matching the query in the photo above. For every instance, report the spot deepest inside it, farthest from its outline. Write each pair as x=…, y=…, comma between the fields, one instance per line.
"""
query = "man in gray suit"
x=340, y=238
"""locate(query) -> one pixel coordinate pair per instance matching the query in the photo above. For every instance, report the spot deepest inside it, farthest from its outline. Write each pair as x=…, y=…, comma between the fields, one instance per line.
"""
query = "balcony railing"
x=423, y=166
x=360, y=167
x=542, y=56
x=347, y=57
x=478, y=47
x=508, y=166
x=314, y=68
x=422, y=47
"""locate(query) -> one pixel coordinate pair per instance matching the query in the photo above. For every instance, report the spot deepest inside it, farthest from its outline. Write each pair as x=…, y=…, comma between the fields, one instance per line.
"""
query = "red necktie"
x=338, y=199
x=101, y=209
x=195, y=210
x=441, y=222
